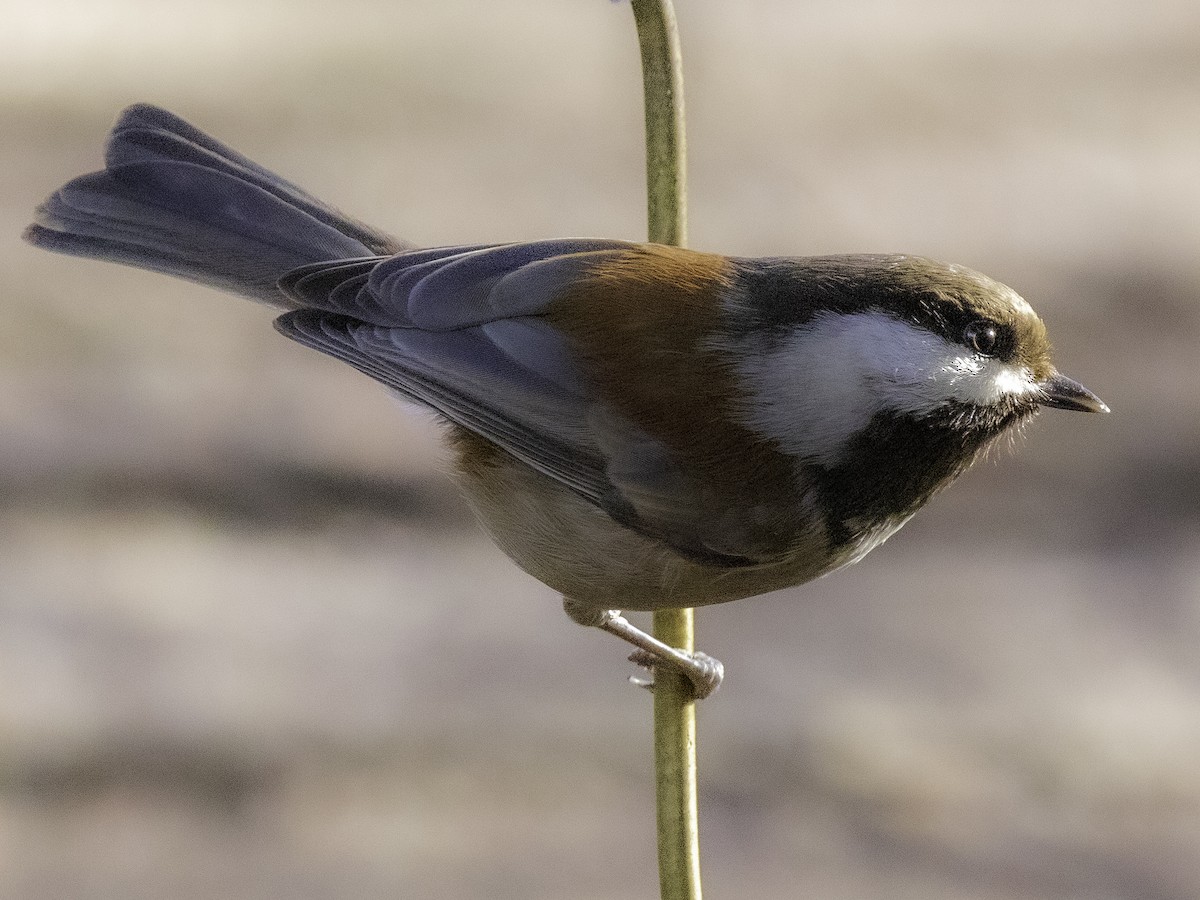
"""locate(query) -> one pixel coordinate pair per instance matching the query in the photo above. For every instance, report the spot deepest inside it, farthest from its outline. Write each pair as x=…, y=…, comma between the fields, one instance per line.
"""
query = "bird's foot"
x=703, y=671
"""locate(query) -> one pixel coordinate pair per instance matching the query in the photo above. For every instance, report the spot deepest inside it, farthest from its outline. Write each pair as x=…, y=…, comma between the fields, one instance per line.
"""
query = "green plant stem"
x=666, y=147
x=675, y=767
x=674, y=706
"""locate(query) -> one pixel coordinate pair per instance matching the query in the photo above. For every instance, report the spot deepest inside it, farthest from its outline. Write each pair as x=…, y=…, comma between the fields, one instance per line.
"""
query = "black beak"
x=1062, y=392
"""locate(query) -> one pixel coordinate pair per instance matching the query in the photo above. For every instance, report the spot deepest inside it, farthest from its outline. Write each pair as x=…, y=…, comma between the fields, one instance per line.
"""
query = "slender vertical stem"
x=675, y=767
x=674, y=707
x=666, y=146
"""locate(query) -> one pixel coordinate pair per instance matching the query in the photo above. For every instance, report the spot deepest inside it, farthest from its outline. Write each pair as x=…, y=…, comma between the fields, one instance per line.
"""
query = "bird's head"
x=898, y=337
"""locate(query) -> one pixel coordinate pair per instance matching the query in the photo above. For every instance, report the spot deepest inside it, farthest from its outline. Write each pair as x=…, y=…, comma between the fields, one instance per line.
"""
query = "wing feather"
x=462, y=330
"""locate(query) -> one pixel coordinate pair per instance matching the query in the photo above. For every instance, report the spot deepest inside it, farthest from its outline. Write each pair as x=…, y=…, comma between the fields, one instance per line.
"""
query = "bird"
x=638, y=426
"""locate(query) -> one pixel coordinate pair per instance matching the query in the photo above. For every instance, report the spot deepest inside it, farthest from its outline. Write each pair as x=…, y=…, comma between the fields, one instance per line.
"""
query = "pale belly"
x=576, y=548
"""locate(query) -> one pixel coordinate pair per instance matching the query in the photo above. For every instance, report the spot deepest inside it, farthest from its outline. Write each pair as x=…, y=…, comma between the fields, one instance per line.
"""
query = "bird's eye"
x=983, y=337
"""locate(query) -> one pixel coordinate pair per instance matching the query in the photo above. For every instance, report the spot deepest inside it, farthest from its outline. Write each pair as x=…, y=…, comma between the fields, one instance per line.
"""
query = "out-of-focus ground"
x=251, y=644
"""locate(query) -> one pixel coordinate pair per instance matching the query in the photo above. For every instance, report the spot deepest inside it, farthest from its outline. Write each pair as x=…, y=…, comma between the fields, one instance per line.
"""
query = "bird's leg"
x=704, y=672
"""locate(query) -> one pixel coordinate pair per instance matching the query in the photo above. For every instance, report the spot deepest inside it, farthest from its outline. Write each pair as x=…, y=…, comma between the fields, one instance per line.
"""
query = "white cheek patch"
x=960, y=375
x=829, y=378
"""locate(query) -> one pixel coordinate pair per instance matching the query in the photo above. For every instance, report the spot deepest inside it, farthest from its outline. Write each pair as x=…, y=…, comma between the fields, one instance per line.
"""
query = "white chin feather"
x=830, y=377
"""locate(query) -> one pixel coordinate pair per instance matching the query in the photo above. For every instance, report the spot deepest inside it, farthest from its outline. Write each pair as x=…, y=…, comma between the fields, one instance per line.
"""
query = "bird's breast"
x=576, y=548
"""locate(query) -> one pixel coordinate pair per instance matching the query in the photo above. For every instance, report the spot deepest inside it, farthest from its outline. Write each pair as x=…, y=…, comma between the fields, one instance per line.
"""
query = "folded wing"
x=461, y=330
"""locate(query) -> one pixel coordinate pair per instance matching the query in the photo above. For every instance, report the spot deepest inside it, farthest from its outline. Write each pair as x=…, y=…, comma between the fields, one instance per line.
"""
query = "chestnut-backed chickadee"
x=636, y=425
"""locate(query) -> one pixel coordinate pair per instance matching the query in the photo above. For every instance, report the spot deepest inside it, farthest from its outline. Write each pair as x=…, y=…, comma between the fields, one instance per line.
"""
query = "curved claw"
x=704, y=672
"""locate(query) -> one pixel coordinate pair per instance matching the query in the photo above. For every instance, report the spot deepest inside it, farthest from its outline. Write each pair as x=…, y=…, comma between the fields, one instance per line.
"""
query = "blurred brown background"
x=251, y=644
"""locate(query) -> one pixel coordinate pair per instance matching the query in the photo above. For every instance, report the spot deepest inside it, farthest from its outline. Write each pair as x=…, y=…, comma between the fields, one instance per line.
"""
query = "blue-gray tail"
x=173, y=200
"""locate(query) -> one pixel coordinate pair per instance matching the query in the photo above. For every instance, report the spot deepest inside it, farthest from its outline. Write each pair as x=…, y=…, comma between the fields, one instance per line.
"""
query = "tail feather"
x=174, y=200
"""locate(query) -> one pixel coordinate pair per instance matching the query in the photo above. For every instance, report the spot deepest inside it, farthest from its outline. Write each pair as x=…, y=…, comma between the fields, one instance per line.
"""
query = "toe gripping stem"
x=703, y=671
